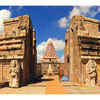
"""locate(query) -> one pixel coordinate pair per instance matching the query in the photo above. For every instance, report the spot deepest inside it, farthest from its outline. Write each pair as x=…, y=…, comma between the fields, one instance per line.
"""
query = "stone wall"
x=81, y=44
x=66, y=55
x=54, y=66
x=57, y=68
x=17, y=43
x=34, y=59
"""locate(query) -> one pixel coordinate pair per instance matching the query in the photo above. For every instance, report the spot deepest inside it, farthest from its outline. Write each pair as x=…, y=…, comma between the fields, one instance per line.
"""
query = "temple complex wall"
x=54, y=66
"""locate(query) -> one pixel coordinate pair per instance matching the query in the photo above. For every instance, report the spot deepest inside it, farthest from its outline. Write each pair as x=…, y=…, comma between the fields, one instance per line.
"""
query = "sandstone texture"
x=82, y=43
x=18, y=43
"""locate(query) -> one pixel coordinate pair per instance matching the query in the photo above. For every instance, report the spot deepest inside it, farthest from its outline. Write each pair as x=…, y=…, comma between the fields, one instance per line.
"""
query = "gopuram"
x=50, y=61
x=82, y=51
x=18, y=54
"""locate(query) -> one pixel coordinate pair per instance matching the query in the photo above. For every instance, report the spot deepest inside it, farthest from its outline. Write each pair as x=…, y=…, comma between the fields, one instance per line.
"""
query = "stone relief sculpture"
x=50, y=70
x=91, y=73
x=14, y=74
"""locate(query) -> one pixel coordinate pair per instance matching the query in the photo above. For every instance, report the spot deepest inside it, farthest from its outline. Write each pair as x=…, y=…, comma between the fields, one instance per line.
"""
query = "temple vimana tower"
x=18, y=42
x=82, y=50
x=50, y=61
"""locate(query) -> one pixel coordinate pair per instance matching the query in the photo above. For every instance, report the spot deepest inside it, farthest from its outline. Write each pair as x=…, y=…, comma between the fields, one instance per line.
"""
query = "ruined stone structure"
x=18, y=43
x=82, y=43
x=49, y=61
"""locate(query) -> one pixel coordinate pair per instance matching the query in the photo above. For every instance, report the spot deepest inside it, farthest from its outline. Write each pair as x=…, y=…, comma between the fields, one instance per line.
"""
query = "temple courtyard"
x=50, y=85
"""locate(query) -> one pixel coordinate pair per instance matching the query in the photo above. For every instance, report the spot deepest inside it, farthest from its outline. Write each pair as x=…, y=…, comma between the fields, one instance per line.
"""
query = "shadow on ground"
x=35, y=81
x=40, y=80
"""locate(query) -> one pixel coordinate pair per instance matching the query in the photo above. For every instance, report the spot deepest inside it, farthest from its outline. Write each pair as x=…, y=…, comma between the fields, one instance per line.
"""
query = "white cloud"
x=88, y=11
x=80, y=10
x=74, y=12
x=62, y=22
x=58, y=45
x=4, y=14
x=85, y=9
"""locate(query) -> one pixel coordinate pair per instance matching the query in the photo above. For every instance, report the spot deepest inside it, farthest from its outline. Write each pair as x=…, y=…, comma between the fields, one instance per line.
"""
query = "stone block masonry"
x=17, y=43
x=82, y=43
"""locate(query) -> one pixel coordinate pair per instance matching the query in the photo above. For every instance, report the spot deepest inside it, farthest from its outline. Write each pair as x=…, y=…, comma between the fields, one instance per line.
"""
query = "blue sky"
x=50, y=22
x=44, y=20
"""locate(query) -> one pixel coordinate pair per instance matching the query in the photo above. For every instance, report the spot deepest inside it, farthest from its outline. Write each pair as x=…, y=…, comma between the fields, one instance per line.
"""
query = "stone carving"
x=91, y=73
x=14, y=74
x=50, y=70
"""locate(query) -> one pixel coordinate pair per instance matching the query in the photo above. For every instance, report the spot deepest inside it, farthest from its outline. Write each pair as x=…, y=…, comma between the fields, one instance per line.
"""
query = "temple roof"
x=50, y=52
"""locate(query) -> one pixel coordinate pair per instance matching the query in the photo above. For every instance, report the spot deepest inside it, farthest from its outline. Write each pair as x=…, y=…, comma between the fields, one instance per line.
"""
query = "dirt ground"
x=49, y=85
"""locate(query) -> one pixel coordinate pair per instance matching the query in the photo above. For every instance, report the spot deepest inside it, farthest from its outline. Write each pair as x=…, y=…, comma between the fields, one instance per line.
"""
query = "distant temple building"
x=50, y=60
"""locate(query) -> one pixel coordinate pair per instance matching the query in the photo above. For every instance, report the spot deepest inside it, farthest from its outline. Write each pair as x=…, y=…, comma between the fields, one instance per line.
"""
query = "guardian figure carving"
x=14, y=74
x=91, y=73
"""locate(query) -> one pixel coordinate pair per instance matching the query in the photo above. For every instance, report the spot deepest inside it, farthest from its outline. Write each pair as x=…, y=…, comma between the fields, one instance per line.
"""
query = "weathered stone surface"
x=91, y=74
x=14, y=74
x=34, y=59
x=18, y=43
x=82, y=43
x=66, y=55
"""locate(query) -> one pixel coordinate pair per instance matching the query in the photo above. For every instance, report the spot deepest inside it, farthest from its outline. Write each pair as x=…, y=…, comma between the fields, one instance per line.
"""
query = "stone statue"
x=91, y=74
x=50, y=70
x=14, y=74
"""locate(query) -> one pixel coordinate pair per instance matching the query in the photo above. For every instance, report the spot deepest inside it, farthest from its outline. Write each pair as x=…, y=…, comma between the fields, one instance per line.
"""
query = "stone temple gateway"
x=18, y=43
x=82, y=43
x=81, y=53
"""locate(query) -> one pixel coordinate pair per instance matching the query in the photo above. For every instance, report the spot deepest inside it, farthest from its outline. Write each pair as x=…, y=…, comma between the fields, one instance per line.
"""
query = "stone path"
x=82, y=90
x=36, y=88
x=50, y=85
x=54, y=87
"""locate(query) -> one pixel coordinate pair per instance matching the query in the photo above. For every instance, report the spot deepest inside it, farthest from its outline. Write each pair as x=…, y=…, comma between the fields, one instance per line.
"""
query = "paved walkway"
x=54, y=86
x=82, y=90
x=34, y=88
x=50, y=85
